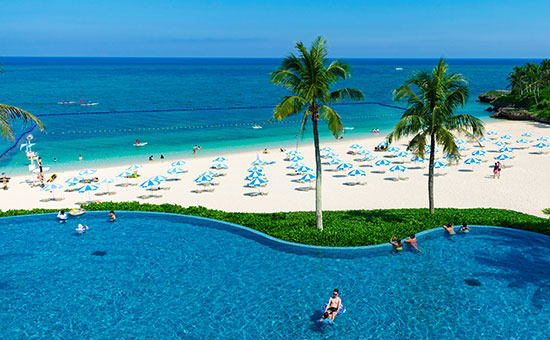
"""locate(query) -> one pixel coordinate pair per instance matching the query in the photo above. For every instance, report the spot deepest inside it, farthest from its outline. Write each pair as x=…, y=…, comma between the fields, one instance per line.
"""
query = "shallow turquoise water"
x=37, y=84
x=166, y=276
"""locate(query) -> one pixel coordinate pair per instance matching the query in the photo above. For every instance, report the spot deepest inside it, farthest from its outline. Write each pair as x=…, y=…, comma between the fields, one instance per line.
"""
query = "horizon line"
x=181, y=57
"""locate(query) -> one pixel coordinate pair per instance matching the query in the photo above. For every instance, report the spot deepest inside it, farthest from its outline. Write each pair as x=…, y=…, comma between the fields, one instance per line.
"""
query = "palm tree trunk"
x=318, y=192
x=431, y=174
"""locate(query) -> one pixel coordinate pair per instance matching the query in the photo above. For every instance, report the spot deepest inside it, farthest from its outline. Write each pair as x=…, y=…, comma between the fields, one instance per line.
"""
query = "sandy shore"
x=523, y=185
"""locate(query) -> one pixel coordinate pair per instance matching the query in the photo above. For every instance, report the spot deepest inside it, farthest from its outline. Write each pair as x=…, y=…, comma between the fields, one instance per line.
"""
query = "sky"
x=256, y=28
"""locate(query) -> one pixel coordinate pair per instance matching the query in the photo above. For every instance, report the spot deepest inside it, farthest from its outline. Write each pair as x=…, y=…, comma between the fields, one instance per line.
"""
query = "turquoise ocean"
x=176, y=103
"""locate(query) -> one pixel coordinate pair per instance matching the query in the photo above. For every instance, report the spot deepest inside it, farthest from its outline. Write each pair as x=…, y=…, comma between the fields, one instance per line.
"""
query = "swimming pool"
x=170, y=276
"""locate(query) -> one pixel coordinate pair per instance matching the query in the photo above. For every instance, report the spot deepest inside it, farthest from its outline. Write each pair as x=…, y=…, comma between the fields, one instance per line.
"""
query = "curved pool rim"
x=287, y=246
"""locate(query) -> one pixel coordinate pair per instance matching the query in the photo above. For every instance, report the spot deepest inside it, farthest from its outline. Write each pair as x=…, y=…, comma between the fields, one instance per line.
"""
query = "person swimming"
x=464, y=229
x=62, y=216
x=396, y=243
x=449, y=228
x=412, y=242
x=112, y=215
x=325, y=319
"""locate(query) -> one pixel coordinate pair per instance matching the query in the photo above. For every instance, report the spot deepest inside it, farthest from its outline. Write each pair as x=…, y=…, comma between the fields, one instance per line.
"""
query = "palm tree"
x=309, y=77
x=9, y=113
x=432, y=99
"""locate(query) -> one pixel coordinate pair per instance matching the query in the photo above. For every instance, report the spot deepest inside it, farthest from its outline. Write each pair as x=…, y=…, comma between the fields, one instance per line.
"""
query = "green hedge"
x=342, y=228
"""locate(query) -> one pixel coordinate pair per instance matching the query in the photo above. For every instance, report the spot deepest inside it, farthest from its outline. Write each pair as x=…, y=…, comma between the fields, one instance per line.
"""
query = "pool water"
x=167, y=276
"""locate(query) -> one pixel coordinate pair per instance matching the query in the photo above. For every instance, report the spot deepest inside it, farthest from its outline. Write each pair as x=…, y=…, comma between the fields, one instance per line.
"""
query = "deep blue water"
x=167, y=277
x=37, y=84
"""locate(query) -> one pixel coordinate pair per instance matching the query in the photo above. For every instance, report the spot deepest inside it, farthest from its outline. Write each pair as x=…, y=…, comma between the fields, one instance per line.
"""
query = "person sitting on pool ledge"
x=334, y=304
x=326, y=320
x=449, y=228
x=464, y=229
x=396, y=243
x=62, y=216
x=112, y=215
x=412, y=241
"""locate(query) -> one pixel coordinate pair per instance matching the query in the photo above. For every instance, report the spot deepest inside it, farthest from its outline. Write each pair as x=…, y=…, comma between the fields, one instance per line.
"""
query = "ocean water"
x=130, y=84
x=169, y=277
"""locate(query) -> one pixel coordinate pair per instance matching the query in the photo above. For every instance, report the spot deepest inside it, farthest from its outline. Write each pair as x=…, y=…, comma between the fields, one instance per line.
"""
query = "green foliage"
x=530, y=86
x=342, y=228
x=546, y=211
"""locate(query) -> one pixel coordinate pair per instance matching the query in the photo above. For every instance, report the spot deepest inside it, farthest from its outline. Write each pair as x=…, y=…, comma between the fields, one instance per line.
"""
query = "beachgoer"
x=161, y=157
x=55, y=159
x=334, y=304
x=194, y=150
x=396, y=243
x=80, y=157
x=464, y=229
x=137, y=141
x=449, y=228
x=4, y=179
x=62, y=216
x=495, y=171
x=325, y=319
x=151, y=158
x=112, y=215
x=265, y=151
x=499, y=165
x=412, y=241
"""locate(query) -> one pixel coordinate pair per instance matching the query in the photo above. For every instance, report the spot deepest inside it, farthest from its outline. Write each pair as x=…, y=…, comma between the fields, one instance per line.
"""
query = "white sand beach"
x=523, y=185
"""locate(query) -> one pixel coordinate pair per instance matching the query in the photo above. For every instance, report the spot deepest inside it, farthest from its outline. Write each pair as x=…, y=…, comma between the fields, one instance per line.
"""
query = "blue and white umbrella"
x=344, y=166
x=178, y=163
x=499, y=143
x=506, y=137
x=175, y=170
x=106, y=181
x=541, y=145
x=357, y=172
x=327, y=149
x=522, y=141
x=219, y=159
x=382, y=143
x=438, y=165
x=472, y=160
x=506, y=149
x=296, y=158
x=257, y=182
x=255, y=168
x=303, y=169
x=543, y=139
x=460, y=141
x=382, y=162
x=219, y=166
x=87, y=172
x=209, y=173
x=527, y=134
x=255, y=174
x=335, y=161
x=449, y=156
x=403, y=154
x=355, y=146
x=331, y=155
x=158, y=178
x=51, y=187
x=88, y=188
x=295, y=165
x=149, y=183
x=369, y=157
x=363, y=152
x=460, y=148
x=479, y=153
x=417, y=159
x=293, y=152
x=125, y=174
x=398, y=168
x=393, y=149
x=134, y=167
x=502, y=157
x=484, y=139
x=258, y=161
x=203, y=179
x=492, y=133
x=307, y=178
x=74, y=180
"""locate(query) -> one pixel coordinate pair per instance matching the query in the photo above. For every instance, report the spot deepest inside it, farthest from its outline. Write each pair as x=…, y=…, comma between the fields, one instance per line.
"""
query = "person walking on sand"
x=499, y=166
x=495, y=171
x=194, y=150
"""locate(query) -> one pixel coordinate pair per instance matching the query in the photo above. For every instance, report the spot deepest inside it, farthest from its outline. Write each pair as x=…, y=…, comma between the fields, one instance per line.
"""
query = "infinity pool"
x=168, y=276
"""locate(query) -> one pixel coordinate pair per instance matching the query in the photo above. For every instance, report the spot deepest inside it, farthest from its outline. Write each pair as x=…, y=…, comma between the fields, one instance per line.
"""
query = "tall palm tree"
x=432, y=99
x=309, y=77
x=9, y=113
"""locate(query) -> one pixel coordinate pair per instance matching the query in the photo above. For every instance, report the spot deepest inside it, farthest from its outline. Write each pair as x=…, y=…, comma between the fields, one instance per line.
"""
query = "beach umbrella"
x=335, y=161
x=134, y=167
x=369, y=157
x=178, y=163
x=327, y=148
x=88, y=188
x=255, y=174
x=256, y=168
x=438, y=165
x=296, y=158
x=506, y=137
x=403, y=154
x=209, y=173
x=219, y=159
x=363, y=152
x=357, y=172
x=499, y=143
x=543, y=139
x=106, y=181
x=303, y=169
x=293, y=152
x=382, y=162
x=393, y=149
x=502, y=157
x=159, y=178
x=51, y=187
x=382, y=143
x=492, y=133
x=417, y=159
x=87, y=172
x=149, y=183
x=203, y=179
x=355, y=146
x=506, y=149
x=460, y=141
x=344, y=166
x=527, y=134
x=449, y=156
x=74, y=180
x=331, y=155
x=479, y=153
x=307, y=178
x=219, y=166
x=258, y=181
x=541, y=145
x=125, y=174
x=258, y=161
x=472, y=160
x=484, y=139
x=399, y=168
x=175, y=170
x=522, y=141
x=295, y=165
x=460, y=148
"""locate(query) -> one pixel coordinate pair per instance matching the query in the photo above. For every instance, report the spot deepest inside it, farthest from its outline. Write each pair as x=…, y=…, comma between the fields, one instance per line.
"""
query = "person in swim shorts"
x=334, y=304
x=396, y=243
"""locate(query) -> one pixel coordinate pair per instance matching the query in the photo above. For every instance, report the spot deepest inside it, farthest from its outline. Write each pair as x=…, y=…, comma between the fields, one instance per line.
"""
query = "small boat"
x=349, y=128
x=88, y=104
x=140, y=144
x=256, y=127
x=65, y=102
x=399, y=69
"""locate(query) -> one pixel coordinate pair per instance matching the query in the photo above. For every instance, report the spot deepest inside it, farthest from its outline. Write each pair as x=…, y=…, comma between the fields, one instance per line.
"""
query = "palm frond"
x=344, y=94
x=446, y=140
x=333, y=120
x=289, y=106
x=10, y=113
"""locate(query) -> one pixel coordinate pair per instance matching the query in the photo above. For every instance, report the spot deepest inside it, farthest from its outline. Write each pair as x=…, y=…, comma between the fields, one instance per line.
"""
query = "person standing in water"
x=112, y=216
x=412, y=241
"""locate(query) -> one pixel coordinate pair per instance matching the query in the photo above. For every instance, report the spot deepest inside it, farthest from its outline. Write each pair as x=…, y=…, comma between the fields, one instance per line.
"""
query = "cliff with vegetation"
x=528, y=97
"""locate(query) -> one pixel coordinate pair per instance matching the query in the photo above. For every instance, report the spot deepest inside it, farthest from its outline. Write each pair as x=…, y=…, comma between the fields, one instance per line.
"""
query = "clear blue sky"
x=256, y=28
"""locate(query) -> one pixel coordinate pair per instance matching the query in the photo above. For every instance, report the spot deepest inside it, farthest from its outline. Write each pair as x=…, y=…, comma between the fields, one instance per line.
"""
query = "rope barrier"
x=17, y=141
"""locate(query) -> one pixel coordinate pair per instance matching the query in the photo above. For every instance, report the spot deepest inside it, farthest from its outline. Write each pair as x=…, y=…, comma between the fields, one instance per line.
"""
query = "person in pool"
x=325, y=319
x=464, y=229
x=396, y=243
x=112, y=215
x=412, y=241
x=449, y=228
x=62, y=216
x=334, y=304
